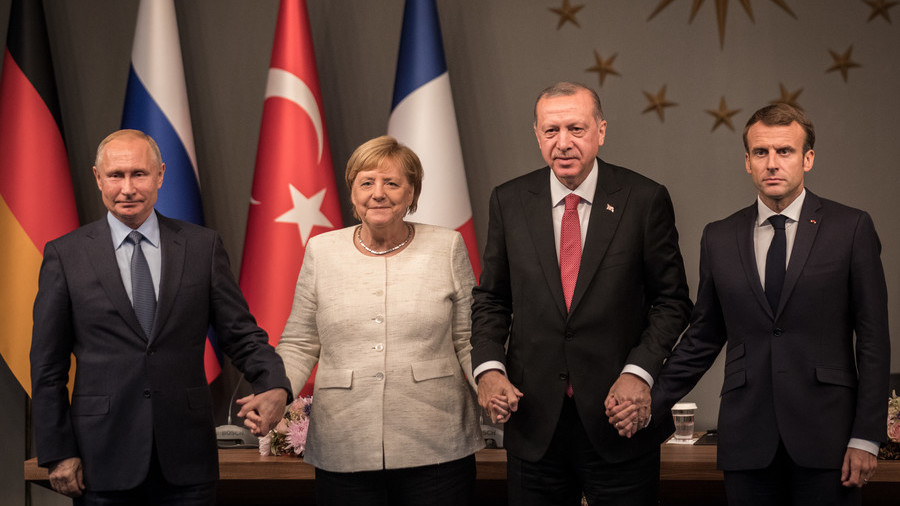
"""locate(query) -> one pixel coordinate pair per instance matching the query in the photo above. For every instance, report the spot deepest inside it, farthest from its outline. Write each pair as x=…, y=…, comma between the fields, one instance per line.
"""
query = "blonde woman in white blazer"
x=383, y=309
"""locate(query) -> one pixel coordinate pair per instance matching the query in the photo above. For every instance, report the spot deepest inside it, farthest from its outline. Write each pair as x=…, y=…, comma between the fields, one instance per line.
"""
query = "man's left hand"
x=859, y=467
x=261, y=412
x=628, y=404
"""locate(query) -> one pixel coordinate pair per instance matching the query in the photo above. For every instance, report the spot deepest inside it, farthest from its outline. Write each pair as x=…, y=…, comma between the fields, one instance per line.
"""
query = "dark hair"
x=567, y=89
x=782, y=114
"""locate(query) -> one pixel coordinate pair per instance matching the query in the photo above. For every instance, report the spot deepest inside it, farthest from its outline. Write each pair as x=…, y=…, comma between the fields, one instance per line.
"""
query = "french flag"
x=156, y=103
x=423, y=118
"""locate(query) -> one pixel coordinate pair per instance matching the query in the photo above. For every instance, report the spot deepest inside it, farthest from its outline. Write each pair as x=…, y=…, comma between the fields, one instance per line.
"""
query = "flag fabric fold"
x=156, y=103
x=423, y=118
x=37, y=203
x=294, y=194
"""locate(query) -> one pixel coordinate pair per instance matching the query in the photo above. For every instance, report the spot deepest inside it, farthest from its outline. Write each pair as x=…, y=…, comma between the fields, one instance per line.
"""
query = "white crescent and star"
x=305, y=212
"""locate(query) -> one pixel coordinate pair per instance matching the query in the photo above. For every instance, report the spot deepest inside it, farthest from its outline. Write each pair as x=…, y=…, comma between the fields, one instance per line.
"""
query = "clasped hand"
x=628, y=404
x=261, y=412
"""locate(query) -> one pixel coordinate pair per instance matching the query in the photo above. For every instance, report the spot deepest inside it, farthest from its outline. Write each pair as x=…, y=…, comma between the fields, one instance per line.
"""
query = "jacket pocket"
x=437, y=368
x=734, y=353
x=334, y=378
x=834, y=376
x=87, y=405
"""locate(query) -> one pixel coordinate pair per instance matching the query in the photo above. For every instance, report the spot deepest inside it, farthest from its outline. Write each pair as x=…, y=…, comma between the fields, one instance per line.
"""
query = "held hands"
x=497, y=395
x=859, y=466
x=628, y=404
x=262, y=412
x=66, y=477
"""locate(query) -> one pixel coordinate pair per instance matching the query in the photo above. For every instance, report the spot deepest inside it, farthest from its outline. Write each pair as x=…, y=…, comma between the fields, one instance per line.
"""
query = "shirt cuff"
x=639, y=372
x=487, y=366
x=864, y=444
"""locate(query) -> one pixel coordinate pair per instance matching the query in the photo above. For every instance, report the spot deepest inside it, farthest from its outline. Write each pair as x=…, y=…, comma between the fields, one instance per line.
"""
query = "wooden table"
x=688, y=475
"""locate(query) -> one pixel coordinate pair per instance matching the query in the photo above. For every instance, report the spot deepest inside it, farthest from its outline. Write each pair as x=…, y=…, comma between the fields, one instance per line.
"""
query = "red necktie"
x=570, y=254
x=570, y=247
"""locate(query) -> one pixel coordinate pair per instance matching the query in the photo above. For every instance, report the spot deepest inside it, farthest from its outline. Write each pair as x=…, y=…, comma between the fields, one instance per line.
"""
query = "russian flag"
x=156, y=103
x=423, y=118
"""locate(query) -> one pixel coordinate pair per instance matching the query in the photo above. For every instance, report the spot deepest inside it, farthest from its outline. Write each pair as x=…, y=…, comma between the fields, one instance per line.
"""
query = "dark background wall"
x=500, y=54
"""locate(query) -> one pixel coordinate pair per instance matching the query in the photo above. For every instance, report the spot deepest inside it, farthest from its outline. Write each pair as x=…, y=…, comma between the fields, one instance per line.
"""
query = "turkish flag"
x=294, y=194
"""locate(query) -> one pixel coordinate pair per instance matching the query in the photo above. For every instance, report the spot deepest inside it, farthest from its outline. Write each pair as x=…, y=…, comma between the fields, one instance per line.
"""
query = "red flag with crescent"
x=294, y=195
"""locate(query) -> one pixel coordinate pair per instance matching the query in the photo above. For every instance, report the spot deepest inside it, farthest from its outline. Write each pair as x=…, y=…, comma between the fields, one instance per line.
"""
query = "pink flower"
x=894, y=432
x=296, y=435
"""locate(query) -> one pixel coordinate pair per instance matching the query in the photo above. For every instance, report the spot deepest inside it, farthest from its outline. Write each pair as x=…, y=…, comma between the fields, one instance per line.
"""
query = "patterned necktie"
x=142, y=294
x=775, y=262
x=570, y=247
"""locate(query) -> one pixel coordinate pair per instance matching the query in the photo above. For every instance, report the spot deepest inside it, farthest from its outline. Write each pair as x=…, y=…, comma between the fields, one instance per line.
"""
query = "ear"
x=97, y=177
x=601, y=128
x=747, y=162
x=808, y=159
x=162, y=175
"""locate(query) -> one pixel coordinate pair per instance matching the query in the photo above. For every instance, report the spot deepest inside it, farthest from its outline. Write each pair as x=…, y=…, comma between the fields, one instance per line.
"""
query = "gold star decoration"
x=567, y=13
x=788, y=97
x=721, y=12
x=603, y=67
x=658, y=103
x=880, y=8
x=723, y=115
x=842, y=62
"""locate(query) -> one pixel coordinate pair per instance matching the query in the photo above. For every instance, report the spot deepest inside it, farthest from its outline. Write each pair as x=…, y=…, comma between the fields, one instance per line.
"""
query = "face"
x=569, y=136
x=129, y=178
x=381, y=196
x=776, y=162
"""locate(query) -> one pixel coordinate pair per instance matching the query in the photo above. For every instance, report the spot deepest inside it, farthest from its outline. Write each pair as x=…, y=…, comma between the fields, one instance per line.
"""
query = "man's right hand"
x=66, y=477
x=497, y=395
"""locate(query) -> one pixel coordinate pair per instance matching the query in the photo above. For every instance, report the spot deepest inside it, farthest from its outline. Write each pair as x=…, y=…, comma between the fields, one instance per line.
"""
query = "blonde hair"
x=371, y=154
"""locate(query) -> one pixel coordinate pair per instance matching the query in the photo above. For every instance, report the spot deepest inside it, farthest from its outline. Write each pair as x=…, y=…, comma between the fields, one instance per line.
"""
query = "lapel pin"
x=812, y=221
x=610, y=208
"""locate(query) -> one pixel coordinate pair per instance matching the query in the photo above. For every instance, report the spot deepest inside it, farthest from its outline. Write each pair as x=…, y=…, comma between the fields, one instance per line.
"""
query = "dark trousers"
x=571, y=467
x=784, y=483
x=448, y=484
x=154, y=491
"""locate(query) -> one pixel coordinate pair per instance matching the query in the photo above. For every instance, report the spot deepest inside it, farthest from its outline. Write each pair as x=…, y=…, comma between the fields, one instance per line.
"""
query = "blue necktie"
x=142, y=294
x=775, y=262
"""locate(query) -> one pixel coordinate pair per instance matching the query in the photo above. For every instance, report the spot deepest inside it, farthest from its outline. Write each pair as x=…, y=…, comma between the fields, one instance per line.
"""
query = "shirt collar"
x=149, y=229
x=792, y=212
x=585, y=190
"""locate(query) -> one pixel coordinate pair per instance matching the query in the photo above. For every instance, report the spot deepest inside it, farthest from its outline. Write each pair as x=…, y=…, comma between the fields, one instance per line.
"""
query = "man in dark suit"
x=132, y=297
x=583, y=326
x=784, y=285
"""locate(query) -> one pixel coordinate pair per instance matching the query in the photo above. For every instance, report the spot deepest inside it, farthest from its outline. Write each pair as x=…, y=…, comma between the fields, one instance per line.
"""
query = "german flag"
x=36, y=199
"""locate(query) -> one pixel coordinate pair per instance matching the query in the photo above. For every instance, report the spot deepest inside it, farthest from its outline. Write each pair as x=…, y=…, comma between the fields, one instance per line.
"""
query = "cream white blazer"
x=391, y=337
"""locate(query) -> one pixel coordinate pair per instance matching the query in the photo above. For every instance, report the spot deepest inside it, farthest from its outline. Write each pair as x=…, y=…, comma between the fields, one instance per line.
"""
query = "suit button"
x=378, y=347
x=379, y=376
x=147, y=393
x=379, y=319
x=150, y=352
x=563, y=377
x=778, y=332
x=570, y=336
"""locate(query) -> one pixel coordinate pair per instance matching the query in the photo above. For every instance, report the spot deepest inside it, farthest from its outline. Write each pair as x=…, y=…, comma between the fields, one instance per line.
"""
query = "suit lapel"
x=807, y=227
x=172, y=242
x=103, y=260
x=744, y=236
x=607, y=207
x=539, y=215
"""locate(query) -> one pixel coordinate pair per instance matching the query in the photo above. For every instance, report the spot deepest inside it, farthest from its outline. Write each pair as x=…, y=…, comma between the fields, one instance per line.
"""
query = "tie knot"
x=777, y=221
x=135, y=237
x=572, y=201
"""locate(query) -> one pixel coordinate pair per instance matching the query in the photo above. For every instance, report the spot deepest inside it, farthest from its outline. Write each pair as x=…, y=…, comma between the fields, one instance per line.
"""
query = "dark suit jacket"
x=630, y=302
x=791, y=375
x=132, y=389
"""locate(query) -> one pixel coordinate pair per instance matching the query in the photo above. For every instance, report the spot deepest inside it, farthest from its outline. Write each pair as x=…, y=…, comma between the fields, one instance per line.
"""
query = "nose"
x=378, y=190
x=127, y=185
x=563, y=140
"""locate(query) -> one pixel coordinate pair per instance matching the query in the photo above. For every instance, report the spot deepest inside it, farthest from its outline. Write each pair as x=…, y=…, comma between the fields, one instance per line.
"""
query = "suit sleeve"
x=665, y=286
x=299, y=345
x=868, y=298
x=237, y=332
x=699, y=346
x=492, y=298
x=52, y=342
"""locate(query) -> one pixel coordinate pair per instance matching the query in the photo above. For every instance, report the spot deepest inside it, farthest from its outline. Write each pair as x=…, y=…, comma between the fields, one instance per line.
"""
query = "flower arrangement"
x=892, y=449
x=289, y=436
